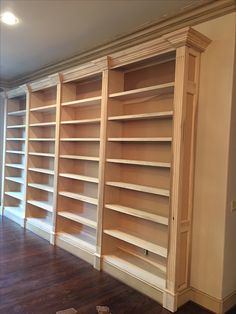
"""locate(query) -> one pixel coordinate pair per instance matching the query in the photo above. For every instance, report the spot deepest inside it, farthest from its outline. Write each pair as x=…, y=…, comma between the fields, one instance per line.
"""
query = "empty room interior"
x=117, y=156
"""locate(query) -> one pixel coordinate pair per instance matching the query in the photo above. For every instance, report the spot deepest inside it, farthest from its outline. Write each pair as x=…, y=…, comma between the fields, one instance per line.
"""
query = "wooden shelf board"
x=123, y=235
x=82, y=241
x=41, y=204
x=19, y=126
x=42, y=170
x=15, y=179
x=138, y=213
x=17, y=166
x=17, y=113
x=137, y=268
x=140, y=188
x=83, y=102
x=43, y=108
x=90, y=158
x=42, y=139
x=80, y=139
x=43, y=124
x=18, y=152
x=156, y=90
x=15, y=139
x=17, y=195
x=42, y=187
x=79, y=197
x=41, y=154
x=140, y=139
x=79, y=177
x=143, y=116
x=84, y=121
x=78, y=218
x=140, y=162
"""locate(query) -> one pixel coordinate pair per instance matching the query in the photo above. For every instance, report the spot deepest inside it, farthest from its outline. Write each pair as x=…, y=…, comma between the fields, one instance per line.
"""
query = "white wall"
x=210, y=213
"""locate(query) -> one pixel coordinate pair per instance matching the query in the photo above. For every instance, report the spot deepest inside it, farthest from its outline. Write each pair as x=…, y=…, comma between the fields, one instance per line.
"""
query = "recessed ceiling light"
x=9, y=18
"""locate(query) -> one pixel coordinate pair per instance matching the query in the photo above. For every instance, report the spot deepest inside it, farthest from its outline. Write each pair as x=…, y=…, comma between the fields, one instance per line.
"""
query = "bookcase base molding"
x=99, y=160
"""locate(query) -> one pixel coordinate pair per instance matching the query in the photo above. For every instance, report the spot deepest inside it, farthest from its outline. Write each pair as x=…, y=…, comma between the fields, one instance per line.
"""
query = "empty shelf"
x=42, y=139
x=17, y=195
x=17, y=166
x=82, y=240
x=42, y=187
x=80, y=139
x=15, y=139
x=15, y=210
x=138, y=213
x=79, y=197
x=84, y=121
x=41, y=223
x=143, y=116
x=41, y=204
x=144, y=92
x=16, y=179
x=90, y=158
x=42, y=170
x=20, y=126
x=42, y=154
x=137, y=268
x=78, y=218
x=139, y=139
x=43, y=124
x=18, y=152
x=137, y=241
x=43, y=108
x=140, y=162
x=84, y=102
x=17, y=113
x=79, y=177
x=140, y=188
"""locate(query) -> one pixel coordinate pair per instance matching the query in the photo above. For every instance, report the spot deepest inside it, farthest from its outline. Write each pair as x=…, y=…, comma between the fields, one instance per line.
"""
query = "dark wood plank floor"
x=35, y=277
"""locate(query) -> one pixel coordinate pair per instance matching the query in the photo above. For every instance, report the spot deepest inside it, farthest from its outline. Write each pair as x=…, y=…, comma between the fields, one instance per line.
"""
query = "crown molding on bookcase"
x=190, y=17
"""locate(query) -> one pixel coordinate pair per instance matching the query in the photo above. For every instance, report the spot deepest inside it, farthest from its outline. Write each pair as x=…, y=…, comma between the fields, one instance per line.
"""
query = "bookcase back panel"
x=43, y=97
x=149, y=203
x=42, y=117
x=76, y=186
x=80, y=167
x=46, y=147
x=79, y=149
x=78, y=131
x=16, y=104
x=42, y=132
x=147, y=151
x=151, y=75
x=81, y=112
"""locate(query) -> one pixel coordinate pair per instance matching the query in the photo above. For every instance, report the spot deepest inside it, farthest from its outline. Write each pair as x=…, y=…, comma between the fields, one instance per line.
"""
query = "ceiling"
x=54, y=30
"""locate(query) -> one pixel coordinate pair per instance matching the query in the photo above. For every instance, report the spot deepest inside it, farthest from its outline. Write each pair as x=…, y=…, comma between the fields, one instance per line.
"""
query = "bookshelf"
x=79, y=162
x=44, y=110
x=99, y=160
x=15, y=149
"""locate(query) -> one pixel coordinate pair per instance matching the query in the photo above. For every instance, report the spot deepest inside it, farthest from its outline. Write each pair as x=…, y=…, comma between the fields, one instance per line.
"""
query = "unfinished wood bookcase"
x=15, y=148
x=110, y=162
x=44, y=112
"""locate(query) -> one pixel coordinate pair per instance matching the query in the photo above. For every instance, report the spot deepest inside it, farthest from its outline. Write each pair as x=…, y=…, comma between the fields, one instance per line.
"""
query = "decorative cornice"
x=207, y=11
x=16, y=92
x=46, y=82
x=84, y=70
x=188, y=37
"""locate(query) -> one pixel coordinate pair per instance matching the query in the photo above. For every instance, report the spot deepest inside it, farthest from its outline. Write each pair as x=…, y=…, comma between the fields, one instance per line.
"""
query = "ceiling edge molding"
x=191, y=17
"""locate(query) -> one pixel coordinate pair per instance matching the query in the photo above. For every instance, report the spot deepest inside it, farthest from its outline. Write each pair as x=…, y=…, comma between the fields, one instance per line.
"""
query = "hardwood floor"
x=35, y=277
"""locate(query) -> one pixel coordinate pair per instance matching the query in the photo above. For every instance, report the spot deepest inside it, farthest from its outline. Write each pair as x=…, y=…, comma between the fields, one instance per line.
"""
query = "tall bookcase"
x=80, y=160
x=15, y=148
x=109, y=151
x=44, y=111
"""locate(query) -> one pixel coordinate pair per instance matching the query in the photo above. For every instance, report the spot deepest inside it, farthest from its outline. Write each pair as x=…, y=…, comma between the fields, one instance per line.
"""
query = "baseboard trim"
x=218, y=306
x=19, y=220
x=40, y=232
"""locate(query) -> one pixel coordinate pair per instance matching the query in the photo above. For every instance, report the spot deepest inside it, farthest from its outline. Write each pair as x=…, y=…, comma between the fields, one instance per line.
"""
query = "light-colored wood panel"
x=79, y=197
x=138, y=213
